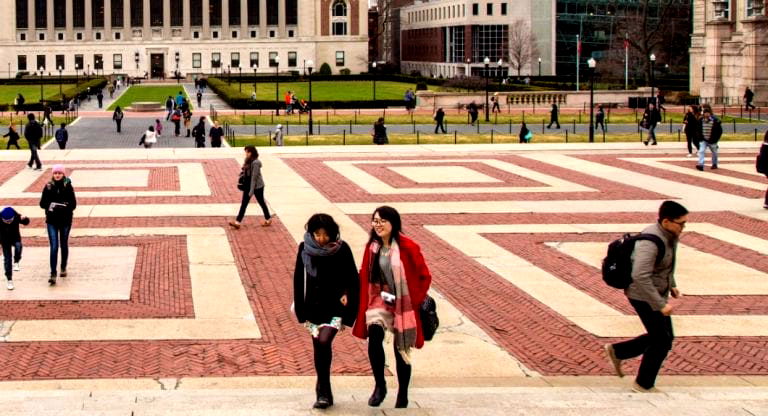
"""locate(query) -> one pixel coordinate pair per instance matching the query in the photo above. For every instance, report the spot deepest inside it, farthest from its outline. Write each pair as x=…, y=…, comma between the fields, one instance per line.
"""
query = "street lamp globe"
x=310, y=65
x=591, y=62
x=653, y=57
x=374, y=64
x=487, y=60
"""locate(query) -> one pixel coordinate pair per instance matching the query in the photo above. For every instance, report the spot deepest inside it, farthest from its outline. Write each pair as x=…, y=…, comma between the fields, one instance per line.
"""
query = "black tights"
x=376, y=356
x=323, y=356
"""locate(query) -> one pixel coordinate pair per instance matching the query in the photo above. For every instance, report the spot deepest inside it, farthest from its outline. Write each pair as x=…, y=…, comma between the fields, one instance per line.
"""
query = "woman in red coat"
x=394, y=279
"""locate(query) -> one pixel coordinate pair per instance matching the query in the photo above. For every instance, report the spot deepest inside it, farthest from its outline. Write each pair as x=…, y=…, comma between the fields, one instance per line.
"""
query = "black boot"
x=402, y=400
x=379, y=393
x=188, y=133
x=324, y=396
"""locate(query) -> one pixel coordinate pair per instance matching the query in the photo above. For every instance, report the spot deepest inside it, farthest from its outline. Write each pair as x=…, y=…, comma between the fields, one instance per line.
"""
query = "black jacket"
x=762, y=160
x=717, y=130
x=12, y=136
x=33, y=133
x=9, y=233
x=692, y=126
x=60, y=192
x=336, y=276
x=652, y=116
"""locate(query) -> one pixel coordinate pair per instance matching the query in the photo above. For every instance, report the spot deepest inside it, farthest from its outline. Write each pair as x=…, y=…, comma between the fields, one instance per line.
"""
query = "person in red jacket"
x=394, y=280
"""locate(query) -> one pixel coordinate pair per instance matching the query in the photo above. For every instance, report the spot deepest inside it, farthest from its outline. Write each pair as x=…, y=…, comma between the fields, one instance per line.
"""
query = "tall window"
x=491, y=41
x=292, y=59
x=117, y=13
x=98, y=62
x=339, y=58
x=60, y=62
x=21, y=62
x=216, y=60
x=339, y=18
x=273, y=59
x=196, y=12
x=78, y=13
x=40, y=62
x=197, y=59
x=117, y=61
x=254, y=59
x=455, y=40
x=489, y=9
x=155, y=12
x=253, y=12
x=177, y=12
x=97, y=17
x=291, y=12
x=41, y=14
x=137, y=13
x=503, y=9
x=755, y=8
x=215, y=12
x=272, y=12
x=234, y=12
x=234, y=59
x=79, y=62
x=475, y=9
x=21, y=15
x=59, y=13
x=722, y=9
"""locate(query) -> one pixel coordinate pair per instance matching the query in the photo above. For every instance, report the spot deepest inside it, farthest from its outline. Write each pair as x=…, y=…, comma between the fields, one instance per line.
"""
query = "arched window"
x=339, y=18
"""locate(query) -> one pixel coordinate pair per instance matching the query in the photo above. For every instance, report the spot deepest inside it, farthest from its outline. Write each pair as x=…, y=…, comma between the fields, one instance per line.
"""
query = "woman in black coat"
x=13, y=137
x=59, y=202
x=762, y=164
x=692, y=129
x=325, y=294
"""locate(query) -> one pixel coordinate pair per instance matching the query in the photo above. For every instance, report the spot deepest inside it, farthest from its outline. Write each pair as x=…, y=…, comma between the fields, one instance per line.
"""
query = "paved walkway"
x=513, y=235
x=101, y=133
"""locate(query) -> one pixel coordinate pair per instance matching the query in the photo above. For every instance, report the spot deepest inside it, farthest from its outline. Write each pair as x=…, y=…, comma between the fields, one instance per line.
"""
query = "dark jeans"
x=749, y=105
x=653, y=345
x=259, y=194
x=58, y=235
x=766, y=198
x=33, y=157
x=8, y=260
x=176, y=127
x=12, y=144
x=601, y=124
x=118, y=123
x=693, y=142
x=62, y=145
x=553, y=121
x=440, y=125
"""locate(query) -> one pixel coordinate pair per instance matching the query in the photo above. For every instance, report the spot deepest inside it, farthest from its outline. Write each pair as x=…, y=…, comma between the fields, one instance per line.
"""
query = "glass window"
x=272, y=12
x=455, y=44
x=117, y=13
x=234, y=12
x=214, y=7
x=273, y=59
x=21, y=62
x=339, y=18
x=216, y=60
x=475, y=9
x=197, y=60
x=21, y=15
x=253, y=13
x=755, y=7
x=234, y=59
x=97, y=13
x=137, y=13
x=60, y=61
x=117, y=36
x=98, y=61
x=41, y=14
x=339, y=58
x=254, y=59
x=59, y=13
x=156, y=12
x=117, y=61
x=722, y=9
x=177, y=12
x=40, y=62
x=78, y=13
x=491, y=41
x=489, y=9
x=503, y=9
x=292, y=59
x=79, y=62
x=196, y=12
x=291, y=12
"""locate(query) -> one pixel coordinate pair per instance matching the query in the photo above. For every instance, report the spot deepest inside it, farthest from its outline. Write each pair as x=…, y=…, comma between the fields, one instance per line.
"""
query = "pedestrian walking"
x=748, y=97
x=159, y=127
x=652, y=284
x=199, y=98
x=118, y=116
x=176, y=120
x=198, y=132
x=379, y=132
x=59, y=202
x=600, y=118
x=216, y=133
x=325, y=294
x=495, y=108
x=651, y=118
x=711, y=131
x=168, y=107
x=18, y=104
x=277, y=136
x=554, y=117
x=179, y=99
x=525, y=135
x=439, y=117
x=692, y=129
x=394, y=280
x=149, y=138
x=111, y=90
x=100, y=98
x=33, y=132
x=287, y=99
x=62, y=136
x=47, y=112
x=10, y=239
x=473, y=113
x=187, y=115
x=13, y=137
x=252, y=184
x=762, y=164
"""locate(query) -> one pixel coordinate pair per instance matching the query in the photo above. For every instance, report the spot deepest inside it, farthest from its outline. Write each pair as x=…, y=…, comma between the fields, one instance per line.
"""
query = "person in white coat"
x=278, y=135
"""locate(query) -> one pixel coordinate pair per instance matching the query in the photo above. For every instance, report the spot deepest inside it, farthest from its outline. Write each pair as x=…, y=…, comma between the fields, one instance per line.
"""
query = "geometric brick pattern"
x=160, y=179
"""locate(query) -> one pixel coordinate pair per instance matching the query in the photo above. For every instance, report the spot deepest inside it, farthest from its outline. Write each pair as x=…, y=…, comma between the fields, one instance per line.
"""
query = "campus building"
x=159, y=37
x=729, y=50
x=451, y=38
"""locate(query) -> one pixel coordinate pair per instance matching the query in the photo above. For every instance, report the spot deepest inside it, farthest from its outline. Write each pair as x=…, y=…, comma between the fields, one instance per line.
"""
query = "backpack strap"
x=660, y=247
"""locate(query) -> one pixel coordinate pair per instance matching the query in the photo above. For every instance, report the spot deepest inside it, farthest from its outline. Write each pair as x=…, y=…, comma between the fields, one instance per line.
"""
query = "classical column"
x=146, y=27
x=244, y=19
x=108, y=20
x=31, y=20
x=88, y=20
x=281, y=19
x=166, y=19
x=263, y=18
x=225, y=20
x=49, y=20
x=206, y=20
x=187, y=20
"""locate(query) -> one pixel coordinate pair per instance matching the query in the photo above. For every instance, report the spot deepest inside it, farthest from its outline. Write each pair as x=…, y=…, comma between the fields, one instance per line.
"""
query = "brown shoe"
x=640, y=389
x=234, y=224
x=615, y=362
x=266, y=223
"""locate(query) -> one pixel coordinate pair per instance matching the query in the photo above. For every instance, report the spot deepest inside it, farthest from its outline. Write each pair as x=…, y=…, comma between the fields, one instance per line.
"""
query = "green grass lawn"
x=22, y=142
x=31, y=93
x=326, y=90
x=147, y=93
x=22, y=118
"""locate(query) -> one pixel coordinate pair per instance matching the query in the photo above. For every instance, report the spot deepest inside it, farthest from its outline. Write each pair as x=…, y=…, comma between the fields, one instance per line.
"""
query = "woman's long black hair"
x=390, y=214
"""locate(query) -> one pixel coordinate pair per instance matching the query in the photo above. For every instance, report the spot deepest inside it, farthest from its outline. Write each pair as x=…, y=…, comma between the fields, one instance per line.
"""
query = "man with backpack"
x=62, y=136
x=711, y=131
x=653, y=281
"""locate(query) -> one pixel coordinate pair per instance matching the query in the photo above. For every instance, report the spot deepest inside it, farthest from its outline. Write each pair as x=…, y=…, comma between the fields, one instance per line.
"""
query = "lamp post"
x=653, y=62
x=136, y=59
x=373, y=65
x=487, y=62
x=277, y=86
x=500, y=70
x=229, y=78
x=88, y=71
x=255, y=67
x=539, y=66
x=591, y=63
x=77, y=78
x=41, y=83
x=178, y=74
x=60, y=69
x=310, y=64
x=240, y=77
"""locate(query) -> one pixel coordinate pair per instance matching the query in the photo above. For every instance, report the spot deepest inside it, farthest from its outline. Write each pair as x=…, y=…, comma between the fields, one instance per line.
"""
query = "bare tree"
x=522, y=45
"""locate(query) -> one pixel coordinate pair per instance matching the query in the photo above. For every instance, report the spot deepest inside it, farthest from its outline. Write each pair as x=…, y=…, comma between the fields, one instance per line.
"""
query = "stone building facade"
x=729, y=50
x=159, y=37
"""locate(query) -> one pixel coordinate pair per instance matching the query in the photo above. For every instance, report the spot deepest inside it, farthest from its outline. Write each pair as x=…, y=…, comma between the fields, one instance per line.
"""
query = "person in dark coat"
x=100, y=97
x=524, y=133
x=10, y=239
x=473, y=112
x=325, y=294
x=59, y=202
x=380, y=132
x=554, y=117
x=13, y=137
x=62, y=136
x=252, y=185
x=762, y=164
x=118, y=116
x=33, y=132
x=216, y=133
x=600, y=118
x=47, y=112
x=439, y=117
x=692, y=129
x=748, y=97
x=651, y=118
x=198, y=132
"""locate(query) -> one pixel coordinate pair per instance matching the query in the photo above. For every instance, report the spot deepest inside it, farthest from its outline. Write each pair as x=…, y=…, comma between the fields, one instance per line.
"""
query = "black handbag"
x=243, y=182
x=429, y=320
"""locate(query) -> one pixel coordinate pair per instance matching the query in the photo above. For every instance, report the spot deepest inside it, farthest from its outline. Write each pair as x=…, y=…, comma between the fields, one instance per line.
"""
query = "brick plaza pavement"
x=513, y=236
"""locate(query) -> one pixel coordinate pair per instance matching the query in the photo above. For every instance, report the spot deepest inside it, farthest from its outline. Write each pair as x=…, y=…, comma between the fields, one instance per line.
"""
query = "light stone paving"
x=661, y=163
x=443, y=174
x=109, y=177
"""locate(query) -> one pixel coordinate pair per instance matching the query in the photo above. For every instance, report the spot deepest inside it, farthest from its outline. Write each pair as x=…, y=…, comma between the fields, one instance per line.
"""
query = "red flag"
x=626, y=43
x=578, y=46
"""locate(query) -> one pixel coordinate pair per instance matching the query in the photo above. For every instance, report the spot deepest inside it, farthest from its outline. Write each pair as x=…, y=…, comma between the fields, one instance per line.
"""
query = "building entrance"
x=158, y=65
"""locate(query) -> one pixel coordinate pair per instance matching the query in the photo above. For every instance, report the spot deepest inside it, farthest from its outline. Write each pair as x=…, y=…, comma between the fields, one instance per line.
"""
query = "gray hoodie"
x=651, y=283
